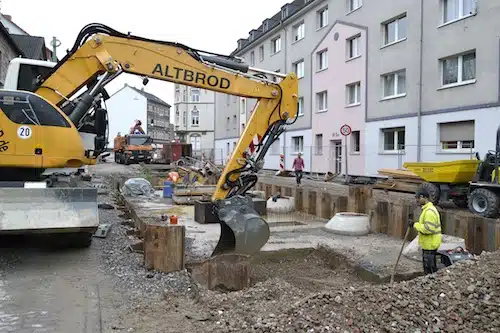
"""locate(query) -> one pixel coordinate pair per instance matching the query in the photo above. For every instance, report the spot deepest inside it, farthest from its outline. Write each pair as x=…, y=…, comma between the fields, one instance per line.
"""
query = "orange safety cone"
x=173, y=219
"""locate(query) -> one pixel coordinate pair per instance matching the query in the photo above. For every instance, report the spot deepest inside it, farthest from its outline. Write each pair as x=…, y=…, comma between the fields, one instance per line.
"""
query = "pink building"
x=338, y=86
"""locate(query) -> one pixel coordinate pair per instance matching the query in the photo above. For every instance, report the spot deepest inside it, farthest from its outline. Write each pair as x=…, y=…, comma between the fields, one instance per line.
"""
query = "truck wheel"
x=434, y=192
x=484, y=202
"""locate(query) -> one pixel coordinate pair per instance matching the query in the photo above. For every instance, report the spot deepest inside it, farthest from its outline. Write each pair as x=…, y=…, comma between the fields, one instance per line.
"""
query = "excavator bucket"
x=243, y=230
x=45, y=210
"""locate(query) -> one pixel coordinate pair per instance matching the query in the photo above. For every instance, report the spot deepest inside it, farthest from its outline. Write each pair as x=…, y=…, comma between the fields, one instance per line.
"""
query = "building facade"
x=195, y=119
x=130, y=103
x=414, y=80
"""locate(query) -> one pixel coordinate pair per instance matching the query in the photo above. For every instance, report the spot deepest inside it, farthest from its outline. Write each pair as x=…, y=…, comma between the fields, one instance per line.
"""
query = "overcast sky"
x=213, y=25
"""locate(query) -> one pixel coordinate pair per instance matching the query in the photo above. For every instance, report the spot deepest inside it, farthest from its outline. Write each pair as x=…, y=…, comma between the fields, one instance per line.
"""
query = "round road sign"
x=345, y=130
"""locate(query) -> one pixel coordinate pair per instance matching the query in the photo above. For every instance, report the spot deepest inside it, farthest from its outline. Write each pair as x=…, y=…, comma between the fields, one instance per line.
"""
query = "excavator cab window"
x=28, y=76
x=29, y=109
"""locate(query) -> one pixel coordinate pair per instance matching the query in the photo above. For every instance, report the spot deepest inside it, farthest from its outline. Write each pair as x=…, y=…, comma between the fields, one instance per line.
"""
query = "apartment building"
x=415, y=80
x=282, y=43
x=194, y=118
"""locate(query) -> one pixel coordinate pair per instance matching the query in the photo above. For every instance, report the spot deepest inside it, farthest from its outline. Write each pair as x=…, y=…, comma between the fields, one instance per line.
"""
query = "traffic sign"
x=345, y=130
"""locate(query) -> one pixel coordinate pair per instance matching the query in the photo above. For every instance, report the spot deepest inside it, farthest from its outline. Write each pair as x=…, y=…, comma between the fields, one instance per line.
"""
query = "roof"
x=275, y=20
x=33, y=47
x=151, y=97
x=11, y=41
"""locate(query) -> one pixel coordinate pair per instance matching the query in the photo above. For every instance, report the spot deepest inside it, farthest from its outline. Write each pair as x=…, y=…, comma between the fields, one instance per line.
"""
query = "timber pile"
x=399, y=180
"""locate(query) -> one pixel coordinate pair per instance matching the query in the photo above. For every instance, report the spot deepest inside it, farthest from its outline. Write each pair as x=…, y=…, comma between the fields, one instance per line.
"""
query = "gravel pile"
x=126, y=266
x=462, y=298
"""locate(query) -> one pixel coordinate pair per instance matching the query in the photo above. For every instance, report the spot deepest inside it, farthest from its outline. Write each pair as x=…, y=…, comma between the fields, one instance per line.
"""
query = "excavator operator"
x=137, y=128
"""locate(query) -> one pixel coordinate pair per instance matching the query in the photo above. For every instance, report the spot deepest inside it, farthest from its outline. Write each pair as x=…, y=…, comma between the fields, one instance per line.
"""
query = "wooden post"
x=164, y=247
x=359, y=197
x=228, y=272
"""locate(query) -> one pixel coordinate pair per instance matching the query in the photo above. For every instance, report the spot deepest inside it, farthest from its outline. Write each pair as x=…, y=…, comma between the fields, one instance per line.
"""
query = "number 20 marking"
x=24, y=132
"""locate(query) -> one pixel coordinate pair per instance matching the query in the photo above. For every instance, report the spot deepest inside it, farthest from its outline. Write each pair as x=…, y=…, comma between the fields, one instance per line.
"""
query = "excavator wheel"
x=243, y=230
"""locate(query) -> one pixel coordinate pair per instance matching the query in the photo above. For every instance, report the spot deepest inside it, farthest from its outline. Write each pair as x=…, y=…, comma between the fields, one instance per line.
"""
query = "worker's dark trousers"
x=429, y=261
x=298, y=176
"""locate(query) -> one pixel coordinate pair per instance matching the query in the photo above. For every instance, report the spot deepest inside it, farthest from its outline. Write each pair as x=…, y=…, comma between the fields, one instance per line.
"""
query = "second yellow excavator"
x=55, y=118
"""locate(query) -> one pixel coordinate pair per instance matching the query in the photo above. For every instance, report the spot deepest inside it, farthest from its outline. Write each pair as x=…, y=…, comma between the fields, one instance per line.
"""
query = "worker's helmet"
x=138, y=123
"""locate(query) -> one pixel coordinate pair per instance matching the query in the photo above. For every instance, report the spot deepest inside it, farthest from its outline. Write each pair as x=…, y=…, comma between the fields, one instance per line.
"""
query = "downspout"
x=285, y=71
x=419, y=112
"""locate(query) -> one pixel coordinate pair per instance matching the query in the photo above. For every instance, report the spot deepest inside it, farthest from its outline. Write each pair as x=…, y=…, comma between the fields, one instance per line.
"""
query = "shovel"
x=410, y=217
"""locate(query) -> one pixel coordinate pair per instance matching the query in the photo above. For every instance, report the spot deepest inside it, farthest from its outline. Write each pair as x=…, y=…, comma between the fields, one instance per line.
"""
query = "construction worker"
x=298, y=167
x=428, y=227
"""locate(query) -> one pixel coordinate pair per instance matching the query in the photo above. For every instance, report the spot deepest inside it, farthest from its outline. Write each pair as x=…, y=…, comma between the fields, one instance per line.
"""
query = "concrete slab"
x=374, y=254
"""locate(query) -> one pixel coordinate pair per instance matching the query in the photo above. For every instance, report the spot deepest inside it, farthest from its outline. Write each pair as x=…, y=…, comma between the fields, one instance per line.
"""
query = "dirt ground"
x=277, y=281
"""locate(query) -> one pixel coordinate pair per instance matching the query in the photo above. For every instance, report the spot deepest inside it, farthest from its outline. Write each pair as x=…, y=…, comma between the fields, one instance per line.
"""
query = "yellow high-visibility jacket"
x=429, y=228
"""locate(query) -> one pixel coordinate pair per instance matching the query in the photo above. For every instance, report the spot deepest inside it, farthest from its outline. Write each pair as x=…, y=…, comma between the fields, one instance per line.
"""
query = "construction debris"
x=398, y=180
x=461, y=298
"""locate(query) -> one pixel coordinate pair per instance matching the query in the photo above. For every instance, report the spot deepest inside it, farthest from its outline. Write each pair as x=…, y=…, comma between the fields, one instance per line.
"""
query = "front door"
x=336, y=155
x=19, y=132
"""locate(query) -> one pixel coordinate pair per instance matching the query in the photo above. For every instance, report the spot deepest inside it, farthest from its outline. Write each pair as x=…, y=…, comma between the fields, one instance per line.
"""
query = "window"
x=322, y=60
x=265, y=26
x=299, y=69
x=276, y=78
x=298, y=144
x=453, y=10
x=30, y=110
x=355, y=141
x=252, y=58
x=459, y=69
x=457, y=136
x=275, y=147
x=184, y=95
x=319, y=144
x=393, y=139
x=300, y=106
x=322, y=101
x=195, y=117
x=276, y=45
x=196, y=141
x=184, y=118
x=228, y=123
x=284, y=12
x=243, y=105
x=299, y=31
x=394, y=84
x=353, y=45
x=261, y=53
x=353, y=5
x=322, y=18
x=195, y=95
x=228, y=147
x=395, y=30
x=353, y=93
x=235, y=120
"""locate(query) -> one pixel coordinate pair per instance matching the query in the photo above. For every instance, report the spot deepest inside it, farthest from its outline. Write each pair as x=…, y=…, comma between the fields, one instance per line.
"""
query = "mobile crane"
x=43, y=126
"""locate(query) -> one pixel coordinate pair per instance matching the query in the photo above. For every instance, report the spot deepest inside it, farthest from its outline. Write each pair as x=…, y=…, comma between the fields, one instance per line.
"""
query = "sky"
x=213, y=25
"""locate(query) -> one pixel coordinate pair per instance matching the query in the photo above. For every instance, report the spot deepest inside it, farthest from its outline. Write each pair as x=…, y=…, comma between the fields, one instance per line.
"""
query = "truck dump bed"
x=449, y=172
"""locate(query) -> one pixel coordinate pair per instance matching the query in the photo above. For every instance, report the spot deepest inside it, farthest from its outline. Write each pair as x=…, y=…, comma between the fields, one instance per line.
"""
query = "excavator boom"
x=100, y=54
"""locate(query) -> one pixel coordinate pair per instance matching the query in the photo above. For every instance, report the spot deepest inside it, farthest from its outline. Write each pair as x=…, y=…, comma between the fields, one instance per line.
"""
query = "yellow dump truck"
x=468, y=183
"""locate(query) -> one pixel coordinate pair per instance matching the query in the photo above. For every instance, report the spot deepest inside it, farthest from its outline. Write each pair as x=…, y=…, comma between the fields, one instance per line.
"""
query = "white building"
x=194, y=119
x=129, y=103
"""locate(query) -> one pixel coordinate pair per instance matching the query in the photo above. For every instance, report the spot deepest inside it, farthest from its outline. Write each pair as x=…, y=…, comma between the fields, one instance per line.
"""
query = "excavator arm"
x=102, y=51
x=100, y=54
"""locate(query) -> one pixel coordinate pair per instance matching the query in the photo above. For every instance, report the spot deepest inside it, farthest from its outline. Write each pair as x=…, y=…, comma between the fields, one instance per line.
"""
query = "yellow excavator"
x=54, y=116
